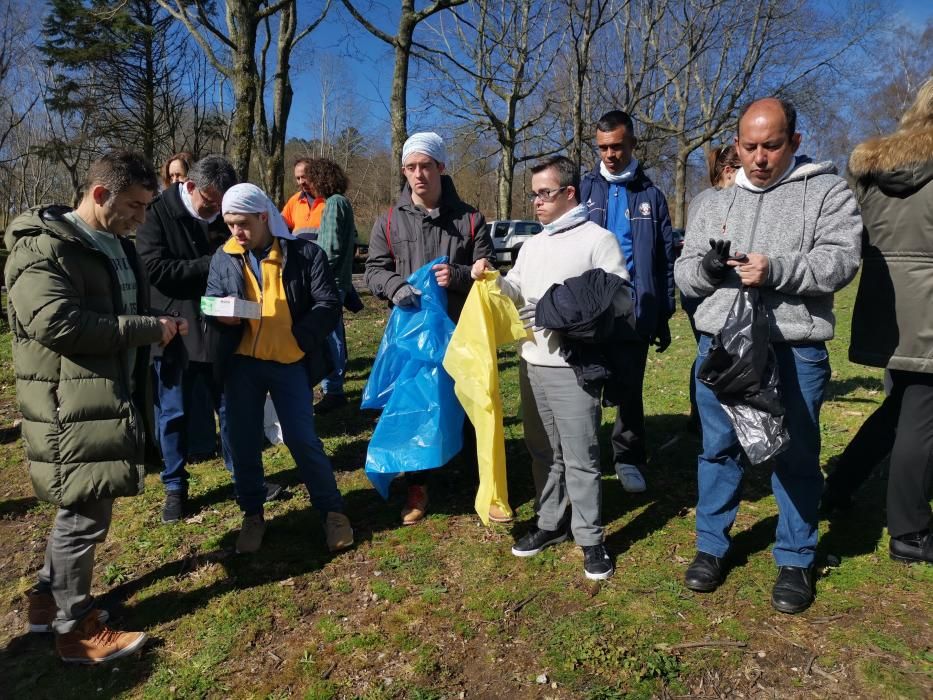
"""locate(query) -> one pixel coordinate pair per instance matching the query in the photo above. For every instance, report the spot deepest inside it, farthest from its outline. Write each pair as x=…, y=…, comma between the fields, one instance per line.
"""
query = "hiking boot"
x=416, y=506
x=793, y=590
x=704, y=573
x=497, y=515
x=273, y=491
x=42, y=609
x=174, y=508
x=630, y=477
x=537, y=539
x=329, y=402
x=92, y=642
x=597, y=564
x=251, y=531
x=338, y=530
x=915, y=547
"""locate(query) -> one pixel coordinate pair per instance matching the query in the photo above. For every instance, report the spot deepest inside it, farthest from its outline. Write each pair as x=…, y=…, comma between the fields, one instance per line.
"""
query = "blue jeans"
x=797, y=481
x=337, y=349
x=173, y=401
x=245, y=387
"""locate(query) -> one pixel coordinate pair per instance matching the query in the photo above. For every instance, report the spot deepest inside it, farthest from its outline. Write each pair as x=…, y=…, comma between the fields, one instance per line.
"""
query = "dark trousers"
x=911, y=474
x=174, y=392
x=628, y=433
x=871, y=444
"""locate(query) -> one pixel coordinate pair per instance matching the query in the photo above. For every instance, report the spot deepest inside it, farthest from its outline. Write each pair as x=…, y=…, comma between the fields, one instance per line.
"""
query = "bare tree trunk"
x=504, y=175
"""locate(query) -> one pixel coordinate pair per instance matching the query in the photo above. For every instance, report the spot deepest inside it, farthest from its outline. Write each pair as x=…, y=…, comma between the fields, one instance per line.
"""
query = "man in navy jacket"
x=622, y=198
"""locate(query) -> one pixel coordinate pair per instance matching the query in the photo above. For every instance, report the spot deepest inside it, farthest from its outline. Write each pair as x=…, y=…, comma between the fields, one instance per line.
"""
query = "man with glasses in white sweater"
x=561, y=420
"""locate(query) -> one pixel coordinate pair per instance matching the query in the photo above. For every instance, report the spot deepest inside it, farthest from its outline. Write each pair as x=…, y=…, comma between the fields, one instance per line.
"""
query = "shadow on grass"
x=17, y=507
x=839, y=388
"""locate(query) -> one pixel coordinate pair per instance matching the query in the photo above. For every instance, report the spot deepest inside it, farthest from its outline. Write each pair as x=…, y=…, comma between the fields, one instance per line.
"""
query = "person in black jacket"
x=182, y=230
x=281, y=350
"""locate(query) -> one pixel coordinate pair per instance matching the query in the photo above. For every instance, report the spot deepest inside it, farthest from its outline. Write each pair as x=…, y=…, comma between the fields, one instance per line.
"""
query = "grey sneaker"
x=251, y=531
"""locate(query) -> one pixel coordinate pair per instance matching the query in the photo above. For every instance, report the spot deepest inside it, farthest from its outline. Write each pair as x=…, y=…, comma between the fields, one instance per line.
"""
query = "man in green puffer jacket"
x=79, y=315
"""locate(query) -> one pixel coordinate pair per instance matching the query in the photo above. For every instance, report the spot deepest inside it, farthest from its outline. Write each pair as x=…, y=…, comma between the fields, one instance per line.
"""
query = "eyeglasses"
x=208, y=201
x=544, y=195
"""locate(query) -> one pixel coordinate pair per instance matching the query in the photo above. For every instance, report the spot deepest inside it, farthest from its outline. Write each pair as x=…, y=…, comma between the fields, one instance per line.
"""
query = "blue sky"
x=359, y=67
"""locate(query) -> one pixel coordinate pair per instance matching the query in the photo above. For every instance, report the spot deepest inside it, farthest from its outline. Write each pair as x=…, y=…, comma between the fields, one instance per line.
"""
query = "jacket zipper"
x=258, y=284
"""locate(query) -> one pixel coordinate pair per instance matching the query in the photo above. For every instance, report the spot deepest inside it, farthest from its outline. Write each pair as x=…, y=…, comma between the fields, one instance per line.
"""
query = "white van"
x=508, y=237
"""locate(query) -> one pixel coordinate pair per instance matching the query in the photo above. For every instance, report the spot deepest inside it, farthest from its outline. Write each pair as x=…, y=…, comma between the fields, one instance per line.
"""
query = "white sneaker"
x=631, y=478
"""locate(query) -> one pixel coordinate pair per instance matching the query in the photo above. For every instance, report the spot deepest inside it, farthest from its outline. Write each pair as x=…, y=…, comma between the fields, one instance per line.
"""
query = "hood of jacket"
x=900, y=163
x=803, y=169
x=48, y=220
x=449, y=195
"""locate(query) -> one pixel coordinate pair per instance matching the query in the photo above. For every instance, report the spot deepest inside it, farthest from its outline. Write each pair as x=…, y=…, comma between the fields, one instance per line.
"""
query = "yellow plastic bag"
x=489, y=319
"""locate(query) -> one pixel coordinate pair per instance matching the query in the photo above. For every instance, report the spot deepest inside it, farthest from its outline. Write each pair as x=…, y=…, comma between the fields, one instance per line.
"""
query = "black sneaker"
x=912, y=548
x=174, y=508
x=273, y=491
x=330, y=402
x=537, y=539
x=597, y=564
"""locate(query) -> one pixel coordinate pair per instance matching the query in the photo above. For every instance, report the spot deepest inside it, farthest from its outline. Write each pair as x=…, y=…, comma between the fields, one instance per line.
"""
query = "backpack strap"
x=389, y=234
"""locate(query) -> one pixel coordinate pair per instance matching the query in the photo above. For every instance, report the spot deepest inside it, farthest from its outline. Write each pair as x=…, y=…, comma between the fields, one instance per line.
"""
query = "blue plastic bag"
x=421, y=426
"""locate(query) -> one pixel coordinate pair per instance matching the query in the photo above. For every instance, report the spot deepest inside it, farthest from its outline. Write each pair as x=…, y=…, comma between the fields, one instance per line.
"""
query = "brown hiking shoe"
x=497, y=515
x=339, y=532
x=416, y=505
x=251, y=531
x=92, y=642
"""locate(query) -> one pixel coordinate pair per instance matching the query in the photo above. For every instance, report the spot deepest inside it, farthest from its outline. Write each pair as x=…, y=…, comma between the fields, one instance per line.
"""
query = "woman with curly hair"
x=176, y=168
x=336, y=236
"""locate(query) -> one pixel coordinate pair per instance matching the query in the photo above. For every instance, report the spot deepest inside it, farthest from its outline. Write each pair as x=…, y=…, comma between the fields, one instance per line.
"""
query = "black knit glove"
x=714, y=262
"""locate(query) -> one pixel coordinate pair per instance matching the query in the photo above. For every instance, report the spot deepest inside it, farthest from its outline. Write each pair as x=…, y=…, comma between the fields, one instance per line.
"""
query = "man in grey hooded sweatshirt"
x=793, y=230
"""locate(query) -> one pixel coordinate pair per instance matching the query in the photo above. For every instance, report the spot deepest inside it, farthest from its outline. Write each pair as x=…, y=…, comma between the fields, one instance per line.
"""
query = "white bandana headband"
x=426, y=142
x=246, y=198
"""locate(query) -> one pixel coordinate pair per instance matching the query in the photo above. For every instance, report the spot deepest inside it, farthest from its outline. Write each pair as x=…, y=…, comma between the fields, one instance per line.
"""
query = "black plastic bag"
x=741, y=370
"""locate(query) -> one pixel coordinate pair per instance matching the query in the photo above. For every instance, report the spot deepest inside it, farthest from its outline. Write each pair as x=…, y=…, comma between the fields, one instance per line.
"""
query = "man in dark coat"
x=429, y=220
x=181, y=232
x=81, y=326
x=622, y=198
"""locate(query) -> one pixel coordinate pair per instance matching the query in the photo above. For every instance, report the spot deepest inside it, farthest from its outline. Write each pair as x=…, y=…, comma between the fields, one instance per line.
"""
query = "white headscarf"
x=426, y=142
x=246, y=198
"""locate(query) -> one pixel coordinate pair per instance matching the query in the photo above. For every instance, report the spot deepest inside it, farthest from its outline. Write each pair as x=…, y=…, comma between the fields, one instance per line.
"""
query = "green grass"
x=443, y=608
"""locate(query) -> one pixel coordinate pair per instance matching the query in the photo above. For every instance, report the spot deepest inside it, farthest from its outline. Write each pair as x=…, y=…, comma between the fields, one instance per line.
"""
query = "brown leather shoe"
x=338, y=531
x=416, y=506
x=497, y=515
x=92, y=642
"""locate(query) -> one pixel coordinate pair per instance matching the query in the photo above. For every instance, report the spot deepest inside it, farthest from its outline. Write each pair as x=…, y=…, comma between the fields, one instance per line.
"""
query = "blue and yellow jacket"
x=299, y=302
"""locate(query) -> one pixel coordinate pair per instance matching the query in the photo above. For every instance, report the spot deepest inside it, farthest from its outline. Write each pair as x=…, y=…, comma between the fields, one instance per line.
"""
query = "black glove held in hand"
x=714, y=262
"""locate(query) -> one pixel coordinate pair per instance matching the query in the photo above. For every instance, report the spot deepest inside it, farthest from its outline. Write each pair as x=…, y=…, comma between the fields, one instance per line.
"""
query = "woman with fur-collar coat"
x=892, y=323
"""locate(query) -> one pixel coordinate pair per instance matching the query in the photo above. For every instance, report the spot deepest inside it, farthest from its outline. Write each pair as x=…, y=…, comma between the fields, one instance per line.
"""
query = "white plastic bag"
x=270, y=423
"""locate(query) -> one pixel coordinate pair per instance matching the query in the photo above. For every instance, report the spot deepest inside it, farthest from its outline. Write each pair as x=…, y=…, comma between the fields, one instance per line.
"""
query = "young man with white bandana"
x=560, y=418
x=280, y=353
x=427, y=221
x=622, y=198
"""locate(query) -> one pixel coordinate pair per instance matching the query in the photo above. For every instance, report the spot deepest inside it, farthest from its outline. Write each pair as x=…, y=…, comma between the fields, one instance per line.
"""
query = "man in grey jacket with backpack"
x=790, y=227
x=427, y=221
